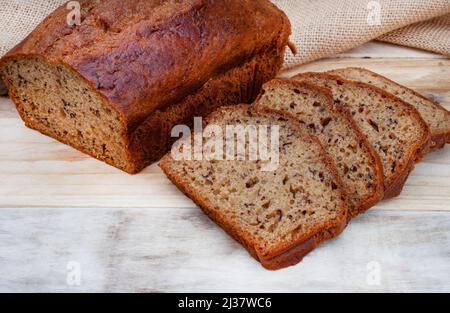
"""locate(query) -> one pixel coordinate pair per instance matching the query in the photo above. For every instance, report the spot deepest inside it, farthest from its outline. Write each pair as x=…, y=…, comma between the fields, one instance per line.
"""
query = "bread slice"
x=279, y=215
x=358, y=164
x=436, y=116
x=394, y=128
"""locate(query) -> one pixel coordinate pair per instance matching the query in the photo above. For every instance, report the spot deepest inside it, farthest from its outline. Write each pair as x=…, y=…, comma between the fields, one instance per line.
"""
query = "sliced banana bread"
x=436, y=116
x=279, y=215
x=358, y=164
x=393, y=127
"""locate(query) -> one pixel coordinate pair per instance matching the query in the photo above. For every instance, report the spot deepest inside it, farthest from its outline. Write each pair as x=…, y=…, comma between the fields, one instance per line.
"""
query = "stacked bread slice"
x=437, y=117
x=358, y=164
x=344, y=146
x=394, y=128
x=278, y=215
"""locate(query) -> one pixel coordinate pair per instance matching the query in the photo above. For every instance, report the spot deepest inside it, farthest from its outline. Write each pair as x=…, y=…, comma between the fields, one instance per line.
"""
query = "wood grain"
x=383, y=50
x=141, y=250
x=139, y=233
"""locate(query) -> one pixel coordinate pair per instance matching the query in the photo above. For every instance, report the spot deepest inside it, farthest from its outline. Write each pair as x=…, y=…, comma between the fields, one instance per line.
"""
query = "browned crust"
x=285, y=255
x=188, y=47
x=296, y=253
x=378, y=193
x=396, y=183
x=438, y=139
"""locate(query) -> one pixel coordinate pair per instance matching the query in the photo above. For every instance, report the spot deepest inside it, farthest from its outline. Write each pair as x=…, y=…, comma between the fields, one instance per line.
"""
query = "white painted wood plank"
x=182, y=250
x=376, y=49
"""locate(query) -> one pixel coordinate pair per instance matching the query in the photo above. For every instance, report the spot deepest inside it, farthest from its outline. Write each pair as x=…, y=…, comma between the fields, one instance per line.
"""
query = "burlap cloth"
x=326, y=27
x=320, y=27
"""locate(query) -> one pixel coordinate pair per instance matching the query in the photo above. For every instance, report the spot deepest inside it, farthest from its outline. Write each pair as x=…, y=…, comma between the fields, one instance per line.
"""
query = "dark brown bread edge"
x=378, y=194
x=438, y=140
x=415, y=154
x=284, y=256
x=295, y=254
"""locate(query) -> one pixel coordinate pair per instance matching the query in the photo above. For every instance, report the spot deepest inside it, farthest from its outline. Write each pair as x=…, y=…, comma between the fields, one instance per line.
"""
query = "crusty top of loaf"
x=146, y=54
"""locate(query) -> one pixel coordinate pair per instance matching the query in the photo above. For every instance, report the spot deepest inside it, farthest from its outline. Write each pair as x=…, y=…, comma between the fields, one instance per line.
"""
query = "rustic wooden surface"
x=59, y=207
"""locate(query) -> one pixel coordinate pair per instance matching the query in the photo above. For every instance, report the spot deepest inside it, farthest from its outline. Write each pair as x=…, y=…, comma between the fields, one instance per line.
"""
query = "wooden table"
x=71, y=223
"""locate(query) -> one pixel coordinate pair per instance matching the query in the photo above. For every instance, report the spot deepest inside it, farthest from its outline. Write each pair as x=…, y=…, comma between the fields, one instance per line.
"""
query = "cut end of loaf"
x=54, y=100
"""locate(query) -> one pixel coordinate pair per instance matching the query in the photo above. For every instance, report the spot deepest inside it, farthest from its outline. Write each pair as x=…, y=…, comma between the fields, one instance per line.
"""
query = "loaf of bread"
x=114, y=86
x=278, y=215
x=394, y=128
x=358, y=164
x=436, y=116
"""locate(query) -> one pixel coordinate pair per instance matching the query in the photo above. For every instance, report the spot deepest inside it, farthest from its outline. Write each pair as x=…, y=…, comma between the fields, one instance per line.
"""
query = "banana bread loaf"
x=114, y=86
